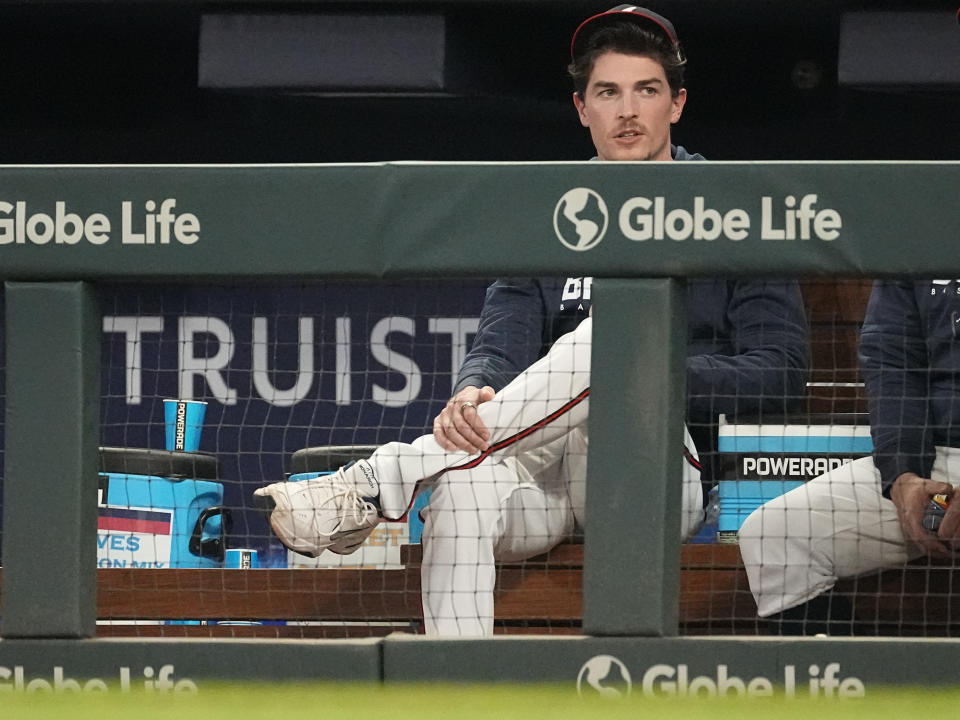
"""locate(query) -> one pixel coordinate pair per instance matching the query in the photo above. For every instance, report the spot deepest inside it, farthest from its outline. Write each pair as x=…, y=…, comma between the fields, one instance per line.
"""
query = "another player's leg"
x=797, y=546
x=539, y=406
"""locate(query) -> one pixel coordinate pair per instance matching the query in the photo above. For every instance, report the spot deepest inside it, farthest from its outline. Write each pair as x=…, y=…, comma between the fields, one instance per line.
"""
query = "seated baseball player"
x=878, y=511
x=507, y=458
x=516, y=498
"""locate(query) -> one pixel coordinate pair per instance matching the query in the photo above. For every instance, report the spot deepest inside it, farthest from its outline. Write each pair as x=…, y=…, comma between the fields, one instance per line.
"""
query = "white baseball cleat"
x=323, y=513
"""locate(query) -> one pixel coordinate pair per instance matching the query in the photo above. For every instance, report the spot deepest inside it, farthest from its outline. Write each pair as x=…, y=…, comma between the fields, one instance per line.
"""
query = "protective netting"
x=852, y=543
x=301, y=380
x=297, y=380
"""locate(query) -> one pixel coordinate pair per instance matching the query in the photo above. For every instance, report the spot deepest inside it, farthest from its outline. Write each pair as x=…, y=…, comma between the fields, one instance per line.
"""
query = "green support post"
x=50, y=464
x=637, y=399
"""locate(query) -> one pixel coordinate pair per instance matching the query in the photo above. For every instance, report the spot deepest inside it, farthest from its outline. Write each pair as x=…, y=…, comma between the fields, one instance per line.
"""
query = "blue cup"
x=241, y=559
x=184, y=422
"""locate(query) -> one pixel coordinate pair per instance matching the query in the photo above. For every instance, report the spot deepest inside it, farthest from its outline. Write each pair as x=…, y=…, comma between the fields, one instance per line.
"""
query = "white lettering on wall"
x=393, y=360
x=133, y=327
x=207, y=345
x=343, y=365
x=261, y=378
x=207, y=367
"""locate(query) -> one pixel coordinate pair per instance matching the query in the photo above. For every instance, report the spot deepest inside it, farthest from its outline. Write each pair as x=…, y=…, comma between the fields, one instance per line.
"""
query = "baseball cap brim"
x=640, y=15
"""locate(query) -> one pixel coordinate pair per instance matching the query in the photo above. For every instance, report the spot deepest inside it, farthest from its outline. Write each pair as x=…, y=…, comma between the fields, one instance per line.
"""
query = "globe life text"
x=156, y=224
x=643, y=219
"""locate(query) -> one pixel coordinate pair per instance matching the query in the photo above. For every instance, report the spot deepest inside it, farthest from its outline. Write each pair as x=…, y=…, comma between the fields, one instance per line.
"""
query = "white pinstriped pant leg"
x=516, y=502
x=495, y=511
x=517, y=494
x=508, y=509
x=836, y=526
x=554, y=386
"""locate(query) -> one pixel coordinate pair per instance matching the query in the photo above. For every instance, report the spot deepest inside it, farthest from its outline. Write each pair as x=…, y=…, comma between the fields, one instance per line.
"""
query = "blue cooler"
x=760, y=462
x=739, y=498
x=157, y=522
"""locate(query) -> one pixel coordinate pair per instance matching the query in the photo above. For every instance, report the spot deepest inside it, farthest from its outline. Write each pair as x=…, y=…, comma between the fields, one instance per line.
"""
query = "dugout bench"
x=540, y=596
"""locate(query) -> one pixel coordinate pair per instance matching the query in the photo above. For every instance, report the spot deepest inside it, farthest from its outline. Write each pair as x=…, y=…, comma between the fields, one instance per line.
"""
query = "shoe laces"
x=349, y=501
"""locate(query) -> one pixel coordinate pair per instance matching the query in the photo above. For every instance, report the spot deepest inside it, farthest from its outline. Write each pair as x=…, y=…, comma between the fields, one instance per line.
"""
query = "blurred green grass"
x=324, y=701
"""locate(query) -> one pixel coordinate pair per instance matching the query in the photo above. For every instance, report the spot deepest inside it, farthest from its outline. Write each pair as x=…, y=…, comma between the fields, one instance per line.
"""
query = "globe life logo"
x=580, y=219
x=606, y=676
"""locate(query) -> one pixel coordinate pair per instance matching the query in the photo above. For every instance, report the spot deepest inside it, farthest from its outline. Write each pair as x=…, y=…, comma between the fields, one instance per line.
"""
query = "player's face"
x=628, y=108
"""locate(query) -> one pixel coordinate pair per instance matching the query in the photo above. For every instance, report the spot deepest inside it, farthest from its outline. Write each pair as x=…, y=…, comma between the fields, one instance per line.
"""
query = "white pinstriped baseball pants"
x=518, y=500
x=836, y=526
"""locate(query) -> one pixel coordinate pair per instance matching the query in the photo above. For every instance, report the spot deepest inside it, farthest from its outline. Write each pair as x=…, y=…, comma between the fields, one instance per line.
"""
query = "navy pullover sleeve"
x=509, y=337
x=895, y=364
x=758, y=357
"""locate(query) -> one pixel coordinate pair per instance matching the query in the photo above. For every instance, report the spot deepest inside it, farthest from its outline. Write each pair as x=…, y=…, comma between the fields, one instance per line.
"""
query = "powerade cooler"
x=760, y=462
x=155, y=513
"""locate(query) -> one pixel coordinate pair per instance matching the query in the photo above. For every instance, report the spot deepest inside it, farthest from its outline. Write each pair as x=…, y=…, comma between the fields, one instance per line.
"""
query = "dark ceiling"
x=117, y=82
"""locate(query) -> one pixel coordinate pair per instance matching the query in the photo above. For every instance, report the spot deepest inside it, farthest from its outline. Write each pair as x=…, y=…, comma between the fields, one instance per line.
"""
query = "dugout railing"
x=64, y=229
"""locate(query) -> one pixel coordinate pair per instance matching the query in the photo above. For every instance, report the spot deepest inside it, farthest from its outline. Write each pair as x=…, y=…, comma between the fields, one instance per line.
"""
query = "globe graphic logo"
x=580, y=219
x=606, y=676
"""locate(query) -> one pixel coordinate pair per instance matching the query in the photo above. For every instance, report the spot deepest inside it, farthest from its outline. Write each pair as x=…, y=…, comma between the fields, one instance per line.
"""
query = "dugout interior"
x=459, y=80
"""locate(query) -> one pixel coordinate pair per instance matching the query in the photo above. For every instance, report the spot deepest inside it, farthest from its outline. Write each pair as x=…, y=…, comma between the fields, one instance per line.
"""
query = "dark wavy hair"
x=628, y=38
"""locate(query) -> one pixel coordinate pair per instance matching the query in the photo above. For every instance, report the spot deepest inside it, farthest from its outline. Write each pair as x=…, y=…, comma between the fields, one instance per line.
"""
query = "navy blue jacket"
x=910, y=357
x=747, y=353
